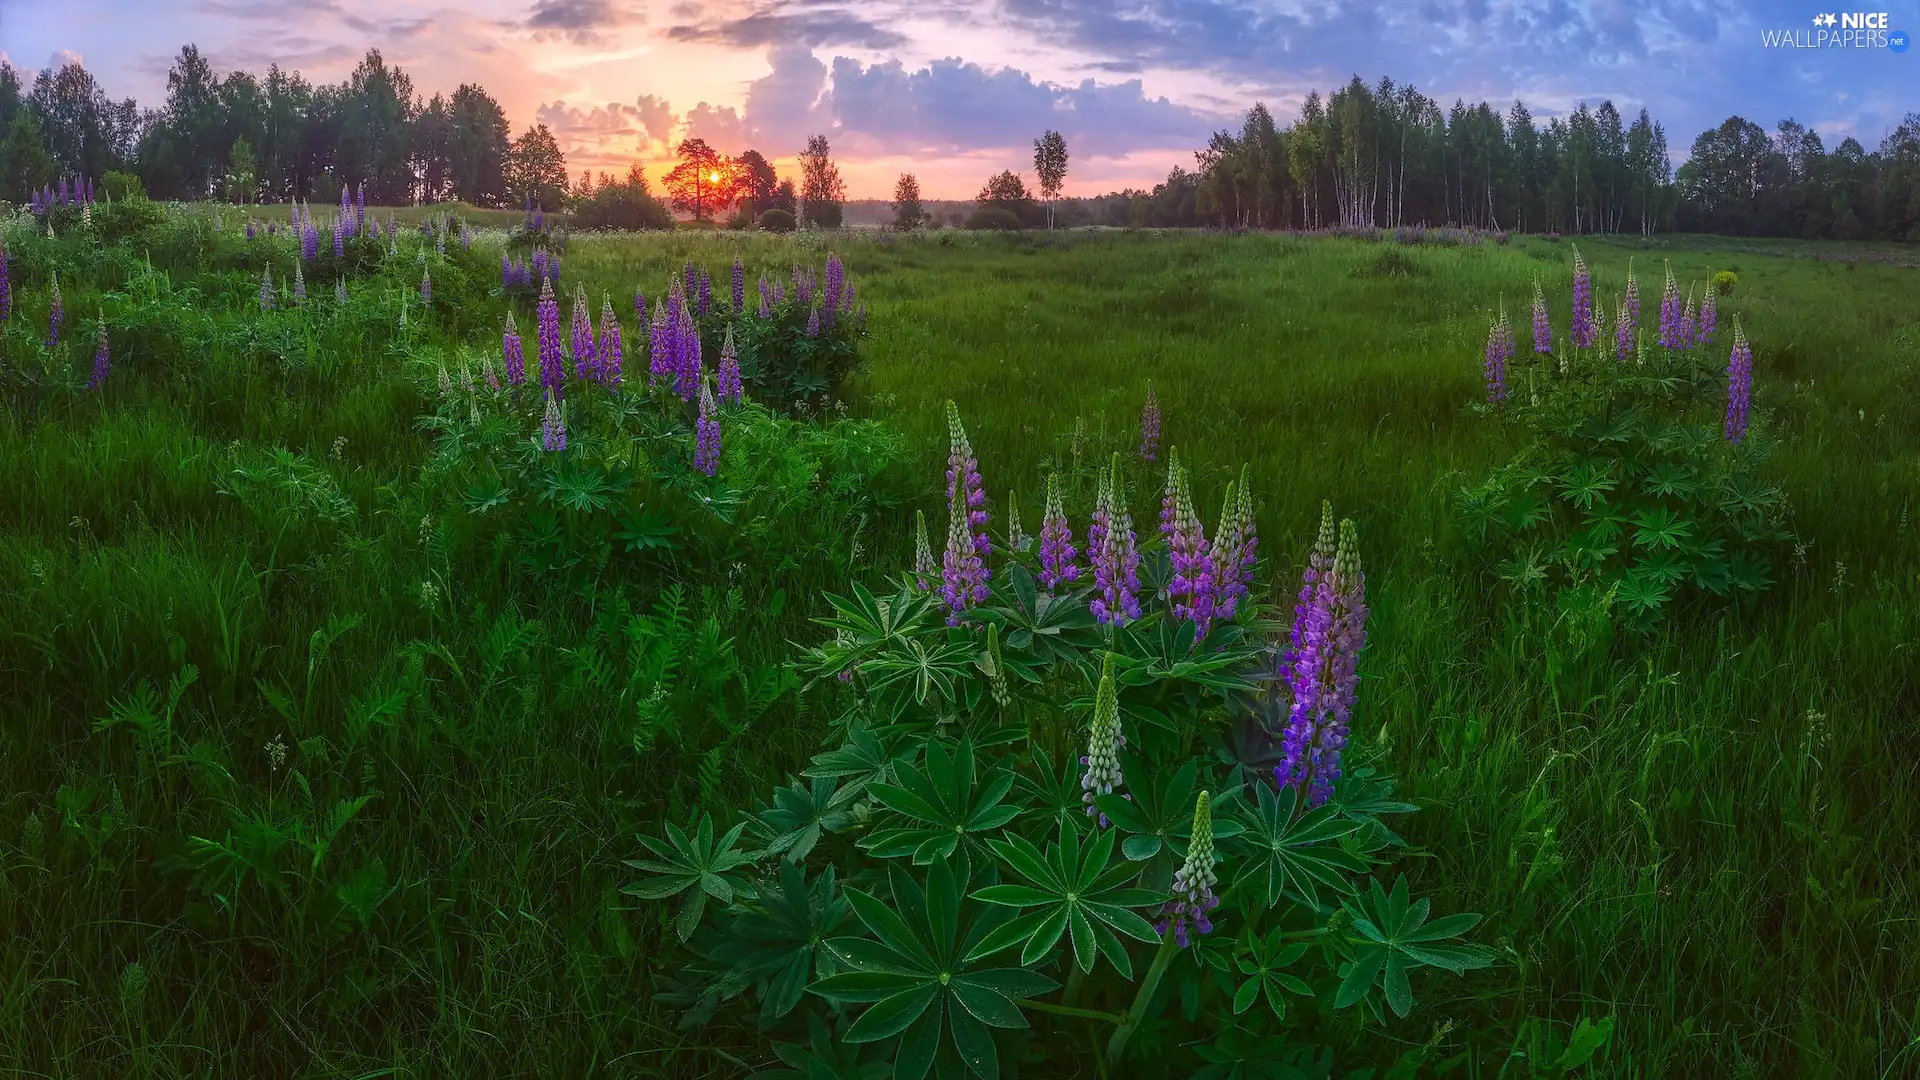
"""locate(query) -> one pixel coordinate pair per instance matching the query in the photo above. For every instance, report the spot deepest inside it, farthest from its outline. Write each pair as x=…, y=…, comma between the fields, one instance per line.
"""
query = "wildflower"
x=1687, y=319
x=1303, y=645
x=1150, y=426
x=739, y=288
x=1169, y=494
x=426, y=288
x=964, y=571
x=339, y=240
x=1739, y=384
x=1704, y=320
x=611, y=347
x=729, y=378
x=492, y=376
x=1631, y=301
x=99, y=360
x=552, y=369
x=1191, y=589
x=691, y=278
x=299, y=285
x=706, y=294
x=1116, y=563
x=1622, y=333
x=1673, y=328
x=1542, y=329
x=1585, y=332
x=997, y=670
x=1232, y=550
x=266, y=288
x=1101, y=763
x=923, y=567
x=1328, y=637
x=1016, y=535
x=506, y=271
x=512, y=355
x=539, y=264
x=56, y=314
x=813, y=322
x=1496, y=364
x=1193, y=895
x=340, y=291
x=686, y=381
x=639, y=308
x=360, y=209
x=553, y=426
x=836, y=282
x=6, y=287
x=706, y=449
x=766, y=304
x=660, y=349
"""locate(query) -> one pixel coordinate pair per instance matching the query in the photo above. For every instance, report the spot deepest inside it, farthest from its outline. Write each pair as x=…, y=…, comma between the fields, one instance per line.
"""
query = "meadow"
x=316, y=767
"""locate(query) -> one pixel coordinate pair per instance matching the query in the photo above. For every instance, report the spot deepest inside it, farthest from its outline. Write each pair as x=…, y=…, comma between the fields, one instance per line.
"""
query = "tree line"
x=1362, y=156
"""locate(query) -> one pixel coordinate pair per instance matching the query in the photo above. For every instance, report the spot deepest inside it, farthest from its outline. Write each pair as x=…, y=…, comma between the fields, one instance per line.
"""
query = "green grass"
x=1706, y=834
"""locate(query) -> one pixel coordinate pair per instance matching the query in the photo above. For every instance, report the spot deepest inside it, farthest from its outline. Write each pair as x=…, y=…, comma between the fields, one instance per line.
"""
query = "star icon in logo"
x=1824, y=20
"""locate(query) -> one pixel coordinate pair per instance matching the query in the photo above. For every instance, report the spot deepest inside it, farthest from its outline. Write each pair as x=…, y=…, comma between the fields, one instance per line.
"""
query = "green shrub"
x=776, y=221
x=624, y=207
x=1724, y=281
x=994, y=218
x=122, y=185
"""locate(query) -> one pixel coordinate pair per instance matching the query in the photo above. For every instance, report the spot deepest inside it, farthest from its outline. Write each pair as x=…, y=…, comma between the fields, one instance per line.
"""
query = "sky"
x=955, y=91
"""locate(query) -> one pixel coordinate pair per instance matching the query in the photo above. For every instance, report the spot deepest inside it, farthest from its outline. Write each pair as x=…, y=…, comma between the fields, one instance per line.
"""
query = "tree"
x=822, y=192
x=25, y=164
x=907, y=213
x=432, y=151
x=622, y=204
x=703, y=182
x=758, y=182
x=242, y=172
x=377, y=112
x=785, y=199
x=1050, y=162
x=1008, y=192
x=536, y=169
x=478, y=142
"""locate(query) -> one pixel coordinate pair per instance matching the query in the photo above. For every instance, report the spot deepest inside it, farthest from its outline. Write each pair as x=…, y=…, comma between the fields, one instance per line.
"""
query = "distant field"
x=1712, y=840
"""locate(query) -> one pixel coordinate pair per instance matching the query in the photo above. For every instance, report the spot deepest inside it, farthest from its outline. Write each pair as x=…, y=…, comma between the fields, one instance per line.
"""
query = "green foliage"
x=1724, y=282
x=776, y=221
x=994, y=218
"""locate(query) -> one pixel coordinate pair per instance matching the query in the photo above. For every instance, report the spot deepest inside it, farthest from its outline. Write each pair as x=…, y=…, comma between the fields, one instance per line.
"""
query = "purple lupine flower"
x=1673, y=329
x=339, y=239
x=586, y=364
x=813, y=322
x=1631, y=301
x=1703, y=323
x=1687, y=319
x=766, y=304
x=1324, y=660
x=56, y=314
x=266, y=288
x=553, y=371
x=706, y=294
x=6, y=287
x=299, y=285
x=492, y=376
x=1100, y=765
x=540, y=264
x=99, y=377
x=729, y=389
x=739, y=288
x=846, y=300
x=964, y=571
x=1622, y=333
x=1542, y=329
x=506, y=271
x=639, y=308
x=1150, y=426
x=553, y=426
x=687, y=375
x=706, y=449
x=1169, y=493
x=466, y=237
x=612, y=353
x=660, y=349
x=779, y=292
x=426, y=288
x=1584, y=332
x=250, y=233
x=360, y=208
x=1739, y=384
x=1301, y=657
x=1496, y=365
x=309, y=240
x=1190, y=591
x=1116, y=563
x=1193, y=895
x=1229, y=552
x=1347, y=637
x=539, y=219
x=924, y=570
x=1057, y=567
x=831, y=296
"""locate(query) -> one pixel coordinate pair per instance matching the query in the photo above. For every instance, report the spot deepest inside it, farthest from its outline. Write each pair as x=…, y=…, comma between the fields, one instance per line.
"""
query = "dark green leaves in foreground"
x=922, y=980
x=698, y=867
x=939, y=805
x=1076, y=891
x=1398, y=938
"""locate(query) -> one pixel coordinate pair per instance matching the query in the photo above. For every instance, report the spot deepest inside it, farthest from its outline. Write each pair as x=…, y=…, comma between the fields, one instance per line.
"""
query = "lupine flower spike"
x=730, y=390
x=56, y=314
x=1542, y=329
x=1673, y=327
x=266, y=288
x=1150, y=426
x=1709, y=313
x=1687, y=320
x=99, y=377
x=924, y=569
x=512, y=355
x=1233, y=550
x=706, y=449
x=553, y=426
x=1057, y=567
x=1169, y=494
x=6, y=288
x=1347, y=637
x=1193, y=895
x=299, y=286
x=660, y=345
x=1631, y=302
x=1622, y=333
x=1301, y=658
x=612, y=352
x=1739, y=384
x=340, y=292
x=1190, y=592
x=964, y=572
x=1100, y=765
x=1584, y=331
x=552, y=369
x=586, y=361
x=739, y=288
x=1016, y=535
x=1116, y=563
x=1496, y=363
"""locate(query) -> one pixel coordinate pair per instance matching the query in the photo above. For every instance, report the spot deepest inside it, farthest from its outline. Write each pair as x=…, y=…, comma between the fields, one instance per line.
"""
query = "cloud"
x=610, y=134
x=63, y=58
x=578, y=21
x=775, y=26
x=656, y=117
x=721, y=126
x=788, y=104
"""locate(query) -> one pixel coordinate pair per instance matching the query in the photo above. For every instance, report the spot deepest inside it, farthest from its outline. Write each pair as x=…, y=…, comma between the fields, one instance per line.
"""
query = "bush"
x=996, y=218
x=776, y=221
x=740, y=219
x=623, y=207
x=699, y=225
x=128, y=214
x=122, y=185
x=1724, y=281
x=825, y=215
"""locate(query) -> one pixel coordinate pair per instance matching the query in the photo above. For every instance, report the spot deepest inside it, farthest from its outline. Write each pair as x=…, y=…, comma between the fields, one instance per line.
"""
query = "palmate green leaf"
x=774, y=941
x=1077, y=891
x=1587, y=483
x=1297, y=855
x=684, y=863
x=826, y=1057
x=939, y=805
x=1396, y=939
x=1264, y=961
x=1642, y=594
x=1053, y=795
x=793, y=824
x=1660, y=528
x=921, y=978
x=863, y=760
x=1158, y=818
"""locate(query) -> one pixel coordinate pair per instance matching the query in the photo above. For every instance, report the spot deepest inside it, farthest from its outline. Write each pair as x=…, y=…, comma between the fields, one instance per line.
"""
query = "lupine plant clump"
x=1584, y=331
x=56, y=313
x=1150, y=426
x=1739, y=384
